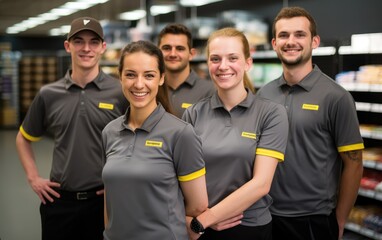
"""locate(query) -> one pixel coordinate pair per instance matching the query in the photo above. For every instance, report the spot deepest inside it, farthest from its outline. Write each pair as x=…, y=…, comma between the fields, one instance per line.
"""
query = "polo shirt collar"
x=99, y=81
x=149, y=123
x=192, y=78
x=307, y=82
x=217, y=103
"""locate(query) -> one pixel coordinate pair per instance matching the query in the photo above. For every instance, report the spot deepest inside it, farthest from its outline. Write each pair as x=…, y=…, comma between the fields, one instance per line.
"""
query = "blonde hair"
x=233, y=32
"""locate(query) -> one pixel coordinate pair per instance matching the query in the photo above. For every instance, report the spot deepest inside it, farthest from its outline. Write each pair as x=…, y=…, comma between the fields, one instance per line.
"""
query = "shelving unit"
x=9, y=94
x=368, y=97
x=36, y=70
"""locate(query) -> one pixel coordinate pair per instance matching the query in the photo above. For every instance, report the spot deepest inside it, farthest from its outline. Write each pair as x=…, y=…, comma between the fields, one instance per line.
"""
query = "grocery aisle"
x=19, y=208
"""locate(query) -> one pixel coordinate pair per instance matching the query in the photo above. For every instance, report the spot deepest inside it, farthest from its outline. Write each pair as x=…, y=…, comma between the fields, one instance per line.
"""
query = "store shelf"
x=370, y=194
x=349, y=50
x=9, y=89
x=363, y=231
x=369, y=107
x=372, y=164
x=359, y=64
x=36, y=70
x=362, y=87
x=371, y=134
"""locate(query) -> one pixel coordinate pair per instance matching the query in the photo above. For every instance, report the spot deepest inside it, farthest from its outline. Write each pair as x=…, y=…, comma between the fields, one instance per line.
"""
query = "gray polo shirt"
x=142, y=174
x=75, y=117
x=190, y=92
x=231, y=141
x=323, y=122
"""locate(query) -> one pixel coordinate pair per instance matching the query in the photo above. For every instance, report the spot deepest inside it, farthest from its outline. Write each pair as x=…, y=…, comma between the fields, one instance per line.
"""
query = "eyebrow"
x=148, y=71
x=169, y=45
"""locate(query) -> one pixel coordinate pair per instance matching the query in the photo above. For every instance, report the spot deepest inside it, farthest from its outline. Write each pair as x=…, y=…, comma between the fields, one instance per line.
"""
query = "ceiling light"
x=162, y=9
x=65, y=10
x=55, y=32
x=62, y=11
x=195, y=3
x=63, y=30
x=133, y=15
x=77, y=5
x=48, y=16
x=94, y=1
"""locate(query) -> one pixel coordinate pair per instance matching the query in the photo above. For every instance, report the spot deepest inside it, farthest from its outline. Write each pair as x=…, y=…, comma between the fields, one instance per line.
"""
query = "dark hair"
x=177, y=29
x=151, y=50
x=232, y=32
x=291, y=12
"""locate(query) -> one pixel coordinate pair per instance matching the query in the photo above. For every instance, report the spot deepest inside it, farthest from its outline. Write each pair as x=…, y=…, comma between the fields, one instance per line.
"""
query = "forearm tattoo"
x=354, y=155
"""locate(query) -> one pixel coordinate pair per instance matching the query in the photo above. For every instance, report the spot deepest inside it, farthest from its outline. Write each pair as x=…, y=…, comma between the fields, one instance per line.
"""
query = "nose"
x=173, y=51
x=223, y=64
x=139, y=82
x=290, y=38
x=86, y=46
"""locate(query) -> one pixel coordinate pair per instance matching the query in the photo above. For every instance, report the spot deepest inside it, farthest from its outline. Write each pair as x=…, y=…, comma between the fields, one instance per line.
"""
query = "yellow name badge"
x=186, y=105
x=248, y=135
x=150, y=143
x=310, y=107
x=106, y=106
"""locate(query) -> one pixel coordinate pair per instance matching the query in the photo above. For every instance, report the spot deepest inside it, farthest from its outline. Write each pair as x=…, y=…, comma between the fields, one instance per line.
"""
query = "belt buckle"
x=82, y=195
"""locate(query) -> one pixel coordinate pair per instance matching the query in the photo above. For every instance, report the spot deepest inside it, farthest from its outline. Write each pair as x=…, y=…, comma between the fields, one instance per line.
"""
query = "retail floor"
x=19, y=205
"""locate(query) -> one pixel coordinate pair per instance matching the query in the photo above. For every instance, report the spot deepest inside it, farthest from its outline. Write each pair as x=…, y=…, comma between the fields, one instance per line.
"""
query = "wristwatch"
x=196, y=226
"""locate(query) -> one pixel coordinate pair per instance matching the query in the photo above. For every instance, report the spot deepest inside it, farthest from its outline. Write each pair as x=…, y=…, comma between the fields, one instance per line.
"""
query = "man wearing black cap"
x=73, y=110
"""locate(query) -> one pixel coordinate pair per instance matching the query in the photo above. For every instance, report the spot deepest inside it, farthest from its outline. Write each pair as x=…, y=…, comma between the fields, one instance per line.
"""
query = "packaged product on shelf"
x=370, y=74
x=373, y=222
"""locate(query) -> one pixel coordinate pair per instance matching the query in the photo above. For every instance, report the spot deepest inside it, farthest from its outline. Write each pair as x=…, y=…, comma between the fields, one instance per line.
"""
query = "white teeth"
x=139, y=94
x=225, y=75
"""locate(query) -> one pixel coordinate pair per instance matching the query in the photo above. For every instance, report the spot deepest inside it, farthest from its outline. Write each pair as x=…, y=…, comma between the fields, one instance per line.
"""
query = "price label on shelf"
x=348, y=86
x=353, y=226
x=376, y=87
x=378, y=196
x=363, y=106
x=378, y=166
x=366, y=192
x=365, y=133
x=362, y=87
x=369, y=163
x=376, y=107
x=367, y=232
x=376, y=135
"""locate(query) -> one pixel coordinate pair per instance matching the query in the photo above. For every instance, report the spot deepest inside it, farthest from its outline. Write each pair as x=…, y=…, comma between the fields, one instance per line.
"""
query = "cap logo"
x=86, y=21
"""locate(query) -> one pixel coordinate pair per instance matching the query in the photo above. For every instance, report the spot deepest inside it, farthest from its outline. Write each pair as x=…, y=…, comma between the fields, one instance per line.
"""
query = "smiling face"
x=86, y=49
x=176, y=52
x=227, y=63
x=140, y=79
x=293, y=41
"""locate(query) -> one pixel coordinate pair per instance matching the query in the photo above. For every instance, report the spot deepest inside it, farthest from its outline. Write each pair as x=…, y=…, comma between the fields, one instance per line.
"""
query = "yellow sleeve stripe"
x=27, y=136
x=193, y=175
x=270, y=153
x=352, y=147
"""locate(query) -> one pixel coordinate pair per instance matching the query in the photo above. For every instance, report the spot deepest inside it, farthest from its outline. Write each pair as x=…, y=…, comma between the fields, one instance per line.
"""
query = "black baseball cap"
x=85, y=23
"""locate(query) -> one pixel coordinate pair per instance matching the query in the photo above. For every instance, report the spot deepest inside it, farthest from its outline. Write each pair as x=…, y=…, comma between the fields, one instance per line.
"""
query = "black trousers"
x=73, y=219
x=240, y=232
x=314, y=227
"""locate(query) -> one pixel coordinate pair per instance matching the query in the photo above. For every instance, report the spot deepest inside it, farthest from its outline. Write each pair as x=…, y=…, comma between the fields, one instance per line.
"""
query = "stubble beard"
x=294, y=62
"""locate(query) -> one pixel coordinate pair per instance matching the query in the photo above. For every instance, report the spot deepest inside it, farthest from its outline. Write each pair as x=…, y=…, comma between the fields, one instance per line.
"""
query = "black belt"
x=83, y=195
